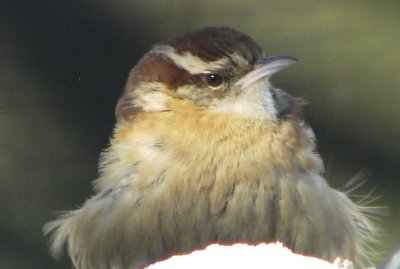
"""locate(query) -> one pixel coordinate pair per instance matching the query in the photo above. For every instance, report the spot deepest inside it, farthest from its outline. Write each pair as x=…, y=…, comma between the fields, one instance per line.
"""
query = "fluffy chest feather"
x=204, y=174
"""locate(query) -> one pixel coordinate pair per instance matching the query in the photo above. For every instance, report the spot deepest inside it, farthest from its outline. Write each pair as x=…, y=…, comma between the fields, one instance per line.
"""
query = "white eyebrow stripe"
x=189, y=62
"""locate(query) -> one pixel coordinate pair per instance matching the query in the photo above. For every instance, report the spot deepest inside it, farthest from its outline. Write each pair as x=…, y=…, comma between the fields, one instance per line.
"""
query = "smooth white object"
x=270, y=256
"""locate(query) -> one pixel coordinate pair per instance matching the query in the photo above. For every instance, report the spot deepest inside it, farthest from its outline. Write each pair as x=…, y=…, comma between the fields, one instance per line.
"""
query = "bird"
x=206, y=150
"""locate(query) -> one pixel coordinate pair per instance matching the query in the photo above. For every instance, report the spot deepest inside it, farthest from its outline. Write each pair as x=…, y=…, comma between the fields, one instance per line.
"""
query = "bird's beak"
x=265, y=68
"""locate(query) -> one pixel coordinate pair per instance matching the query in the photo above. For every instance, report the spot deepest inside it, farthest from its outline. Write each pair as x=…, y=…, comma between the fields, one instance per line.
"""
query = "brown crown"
x=210, y=44
x=213, y=43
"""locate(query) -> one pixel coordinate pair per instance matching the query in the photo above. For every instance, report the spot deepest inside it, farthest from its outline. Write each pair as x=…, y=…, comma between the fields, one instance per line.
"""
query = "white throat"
x=254, y=101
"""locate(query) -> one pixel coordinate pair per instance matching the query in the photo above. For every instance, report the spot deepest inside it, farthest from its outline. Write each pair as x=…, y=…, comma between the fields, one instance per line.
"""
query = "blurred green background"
x=63, y=65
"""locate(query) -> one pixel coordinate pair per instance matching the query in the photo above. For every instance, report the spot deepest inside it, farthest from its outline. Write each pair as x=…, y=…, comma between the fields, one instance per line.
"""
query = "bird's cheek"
x=199, y=95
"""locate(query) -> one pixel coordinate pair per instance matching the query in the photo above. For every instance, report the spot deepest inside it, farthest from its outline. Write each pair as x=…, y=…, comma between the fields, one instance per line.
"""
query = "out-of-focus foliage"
x=64, y=63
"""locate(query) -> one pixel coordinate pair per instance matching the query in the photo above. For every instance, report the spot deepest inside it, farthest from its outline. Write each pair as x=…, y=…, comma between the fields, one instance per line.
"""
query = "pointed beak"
x=265, y=68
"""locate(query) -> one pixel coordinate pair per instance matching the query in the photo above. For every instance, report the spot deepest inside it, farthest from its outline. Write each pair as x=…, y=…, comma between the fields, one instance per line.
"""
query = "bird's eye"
x=213, y=80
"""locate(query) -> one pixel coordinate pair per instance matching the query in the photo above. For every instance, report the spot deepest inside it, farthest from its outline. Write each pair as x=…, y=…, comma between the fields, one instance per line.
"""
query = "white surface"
x=271, y=256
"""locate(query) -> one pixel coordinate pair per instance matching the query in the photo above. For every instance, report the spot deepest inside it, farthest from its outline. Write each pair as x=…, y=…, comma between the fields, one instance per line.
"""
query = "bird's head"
x=216, y=68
